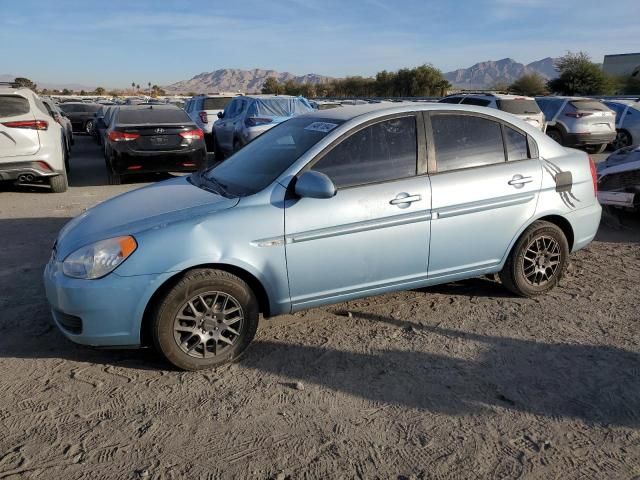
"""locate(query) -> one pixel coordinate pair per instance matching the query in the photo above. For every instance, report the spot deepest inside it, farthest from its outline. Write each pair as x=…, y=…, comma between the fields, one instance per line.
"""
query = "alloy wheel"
x=623, y=139
x=541, y=260
x=208, y=324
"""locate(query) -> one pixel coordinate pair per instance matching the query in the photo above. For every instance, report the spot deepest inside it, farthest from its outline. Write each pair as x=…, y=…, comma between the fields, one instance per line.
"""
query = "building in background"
x=622, y=64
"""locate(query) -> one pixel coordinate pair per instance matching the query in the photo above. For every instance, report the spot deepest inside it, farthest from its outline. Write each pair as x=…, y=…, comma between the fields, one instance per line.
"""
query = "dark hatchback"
x=80, y=114
x=153, y=138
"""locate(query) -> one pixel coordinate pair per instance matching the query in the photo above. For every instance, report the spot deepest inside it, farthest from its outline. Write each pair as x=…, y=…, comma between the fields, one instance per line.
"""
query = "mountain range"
x=482, y=75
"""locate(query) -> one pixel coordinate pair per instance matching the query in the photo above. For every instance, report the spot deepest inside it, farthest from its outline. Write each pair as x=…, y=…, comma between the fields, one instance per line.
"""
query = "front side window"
x=464, y=141
x=380, y=152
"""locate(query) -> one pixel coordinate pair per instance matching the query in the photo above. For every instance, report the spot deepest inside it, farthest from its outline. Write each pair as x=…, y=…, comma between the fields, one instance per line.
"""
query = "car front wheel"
x=207, y=319
x=623, y=139
x=537, y=261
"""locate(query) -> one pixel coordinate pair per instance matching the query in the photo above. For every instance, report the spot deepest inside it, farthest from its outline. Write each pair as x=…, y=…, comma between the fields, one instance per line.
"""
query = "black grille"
x=70, y=323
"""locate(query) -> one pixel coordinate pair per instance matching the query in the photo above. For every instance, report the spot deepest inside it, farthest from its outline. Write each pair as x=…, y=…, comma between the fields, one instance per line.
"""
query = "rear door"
x=484, y=189
x=16, y=137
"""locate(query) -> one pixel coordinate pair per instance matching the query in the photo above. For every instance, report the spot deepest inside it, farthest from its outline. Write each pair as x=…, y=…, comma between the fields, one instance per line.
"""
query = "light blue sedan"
x=326, y=207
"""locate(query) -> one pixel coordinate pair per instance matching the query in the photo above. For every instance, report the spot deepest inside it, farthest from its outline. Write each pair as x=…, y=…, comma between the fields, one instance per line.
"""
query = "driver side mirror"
x=220, y=114
x=314, y=185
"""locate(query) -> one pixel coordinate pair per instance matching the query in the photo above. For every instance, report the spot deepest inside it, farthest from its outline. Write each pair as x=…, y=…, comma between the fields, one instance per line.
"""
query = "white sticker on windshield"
x=321, y=127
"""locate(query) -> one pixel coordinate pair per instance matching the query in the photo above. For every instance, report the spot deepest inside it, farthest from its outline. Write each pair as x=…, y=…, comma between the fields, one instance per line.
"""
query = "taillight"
x=578, y=114
x=255, y=121
x=115, y=136
x=203, y=117
x=30, y=124
x=196, y=134
x=594, y=175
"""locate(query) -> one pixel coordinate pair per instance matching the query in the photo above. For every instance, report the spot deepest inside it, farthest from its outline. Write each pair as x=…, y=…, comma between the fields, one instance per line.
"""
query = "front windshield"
x=263, y=160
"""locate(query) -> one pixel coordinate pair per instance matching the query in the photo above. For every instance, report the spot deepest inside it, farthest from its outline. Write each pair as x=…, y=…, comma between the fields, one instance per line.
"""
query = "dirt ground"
x=457, y=381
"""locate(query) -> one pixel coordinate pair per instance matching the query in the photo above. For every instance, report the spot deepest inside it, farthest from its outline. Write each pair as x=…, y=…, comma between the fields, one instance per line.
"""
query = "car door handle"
x=518, y=181
x=403, y=200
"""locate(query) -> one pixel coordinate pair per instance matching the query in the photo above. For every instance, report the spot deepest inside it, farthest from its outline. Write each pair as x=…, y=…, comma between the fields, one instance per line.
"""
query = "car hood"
x=149, y=207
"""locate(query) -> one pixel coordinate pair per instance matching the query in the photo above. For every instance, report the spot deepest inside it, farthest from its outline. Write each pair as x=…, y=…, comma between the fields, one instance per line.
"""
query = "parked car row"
x=35, y=139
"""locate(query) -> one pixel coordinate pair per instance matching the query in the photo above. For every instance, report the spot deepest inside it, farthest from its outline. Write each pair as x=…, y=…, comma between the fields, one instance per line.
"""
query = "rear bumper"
x=12, y=171
x=143, y=162
x=578, y=139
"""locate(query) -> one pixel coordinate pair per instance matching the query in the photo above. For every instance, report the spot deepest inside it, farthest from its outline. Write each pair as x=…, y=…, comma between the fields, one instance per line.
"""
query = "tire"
x=88, y=127
x=623, y=139
x=517, y=274
x=115, y=178
x=595, y=149
x=59, y=183
x=555, y=134
x=217, y=151
x=203, y=295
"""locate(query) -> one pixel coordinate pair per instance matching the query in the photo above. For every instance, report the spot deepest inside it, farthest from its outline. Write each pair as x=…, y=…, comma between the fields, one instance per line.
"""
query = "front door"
x=485, y=190
x=373, y=235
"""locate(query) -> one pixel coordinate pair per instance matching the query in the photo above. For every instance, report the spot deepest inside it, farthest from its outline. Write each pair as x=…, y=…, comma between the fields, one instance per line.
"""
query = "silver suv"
x=524, y=108
x=32, y=143
x=204, y=109
x=627, y=122
x=579, y=122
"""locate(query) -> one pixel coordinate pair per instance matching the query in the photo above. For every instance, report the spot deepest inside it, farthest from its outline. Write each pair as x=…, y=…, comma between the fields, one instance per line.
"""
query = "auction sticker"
x=321, y=127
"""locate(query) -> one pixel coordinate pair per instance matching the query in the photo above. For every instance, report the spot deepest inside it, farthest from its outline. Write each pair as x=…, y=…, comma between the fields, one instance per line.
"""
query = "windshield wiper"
x=214, y=185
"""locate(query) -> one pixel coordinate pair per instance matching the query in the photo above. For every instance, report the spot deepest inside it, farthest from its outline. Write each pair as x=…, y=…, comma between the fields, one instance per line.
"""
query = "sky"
x=112, y=43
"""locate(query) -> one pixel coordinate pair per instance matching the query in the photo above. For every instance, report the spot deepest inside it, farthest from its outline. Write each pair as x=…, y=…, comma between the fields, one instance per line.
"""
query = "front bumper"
x=106, y=312
x=579, y=139
x=11, y=171
x=159, y=161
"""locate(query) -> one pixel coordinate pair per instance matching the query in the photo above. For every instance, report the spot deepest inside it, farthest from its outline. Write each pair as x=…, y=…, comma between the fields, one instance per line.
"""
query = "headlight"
x=98, y=259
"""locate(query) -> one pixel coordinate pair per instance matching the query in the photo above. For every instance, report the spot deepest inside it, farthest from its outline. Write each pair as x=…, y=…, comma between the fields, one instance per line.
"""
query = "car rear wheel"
x=555, y=134
x=59, y=183
x=537, y=261
x=88, y=127
x=207, y=319
x=594, y=149
x=623, y=139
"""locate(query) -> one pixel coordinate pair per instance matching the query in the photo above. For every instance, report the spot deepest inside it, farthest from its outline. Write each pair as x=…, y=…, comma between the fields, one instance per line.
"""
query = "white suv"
x=204, y=109
x=525, y=108
x=32, y=143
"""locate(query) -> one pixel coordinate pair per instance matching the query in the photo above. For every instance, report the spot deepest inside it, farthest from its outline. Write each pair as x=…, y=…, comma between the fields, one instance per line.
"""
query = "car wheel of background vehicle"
x=208, y=142
x=595, y=149
x=207, y=319
x=555, y=134
x=623, y=139
x=537, y=261
x=88, y=127
x=67, y=155
x=217, y=151
x=59, y=183
x=114, y=178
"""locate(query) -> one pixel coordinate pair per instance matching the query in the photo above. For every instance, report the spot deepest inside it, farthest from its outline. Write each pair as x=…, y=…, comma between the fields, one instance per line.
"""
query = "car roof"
x=503, y=96
x=267, y=97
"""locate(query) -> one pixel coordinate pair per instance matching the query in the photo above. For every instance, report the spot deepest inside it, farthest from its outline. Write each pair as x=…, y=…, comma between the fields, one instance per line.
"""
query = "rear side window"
x=89, y=108
x=463, y=141
x=589, y=105
x=380, y=152
x=141, y=116
x=216, y=103
x=481, y=102
x=516, y=142
x=518, y=106
x=68, y=108
x=13, y=105
x=450, y=100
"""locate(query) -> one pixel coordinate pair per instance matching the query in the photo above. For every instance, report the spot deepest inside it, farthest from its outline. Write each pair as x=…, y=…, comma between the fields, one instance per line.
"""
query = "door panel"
x=477, y=212
x=365, y=238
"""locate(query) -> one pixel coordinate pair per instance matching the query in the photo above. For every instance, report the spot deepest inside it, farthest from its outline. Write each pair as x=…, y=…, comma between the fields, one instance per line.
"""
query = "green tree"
x=580, y=76
x=138, y=87
x=156, y=91
x=66, y=91
x=25, y=82
x=271, y=86
x=530, y=84
x=99, y=91
x=82, y=92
